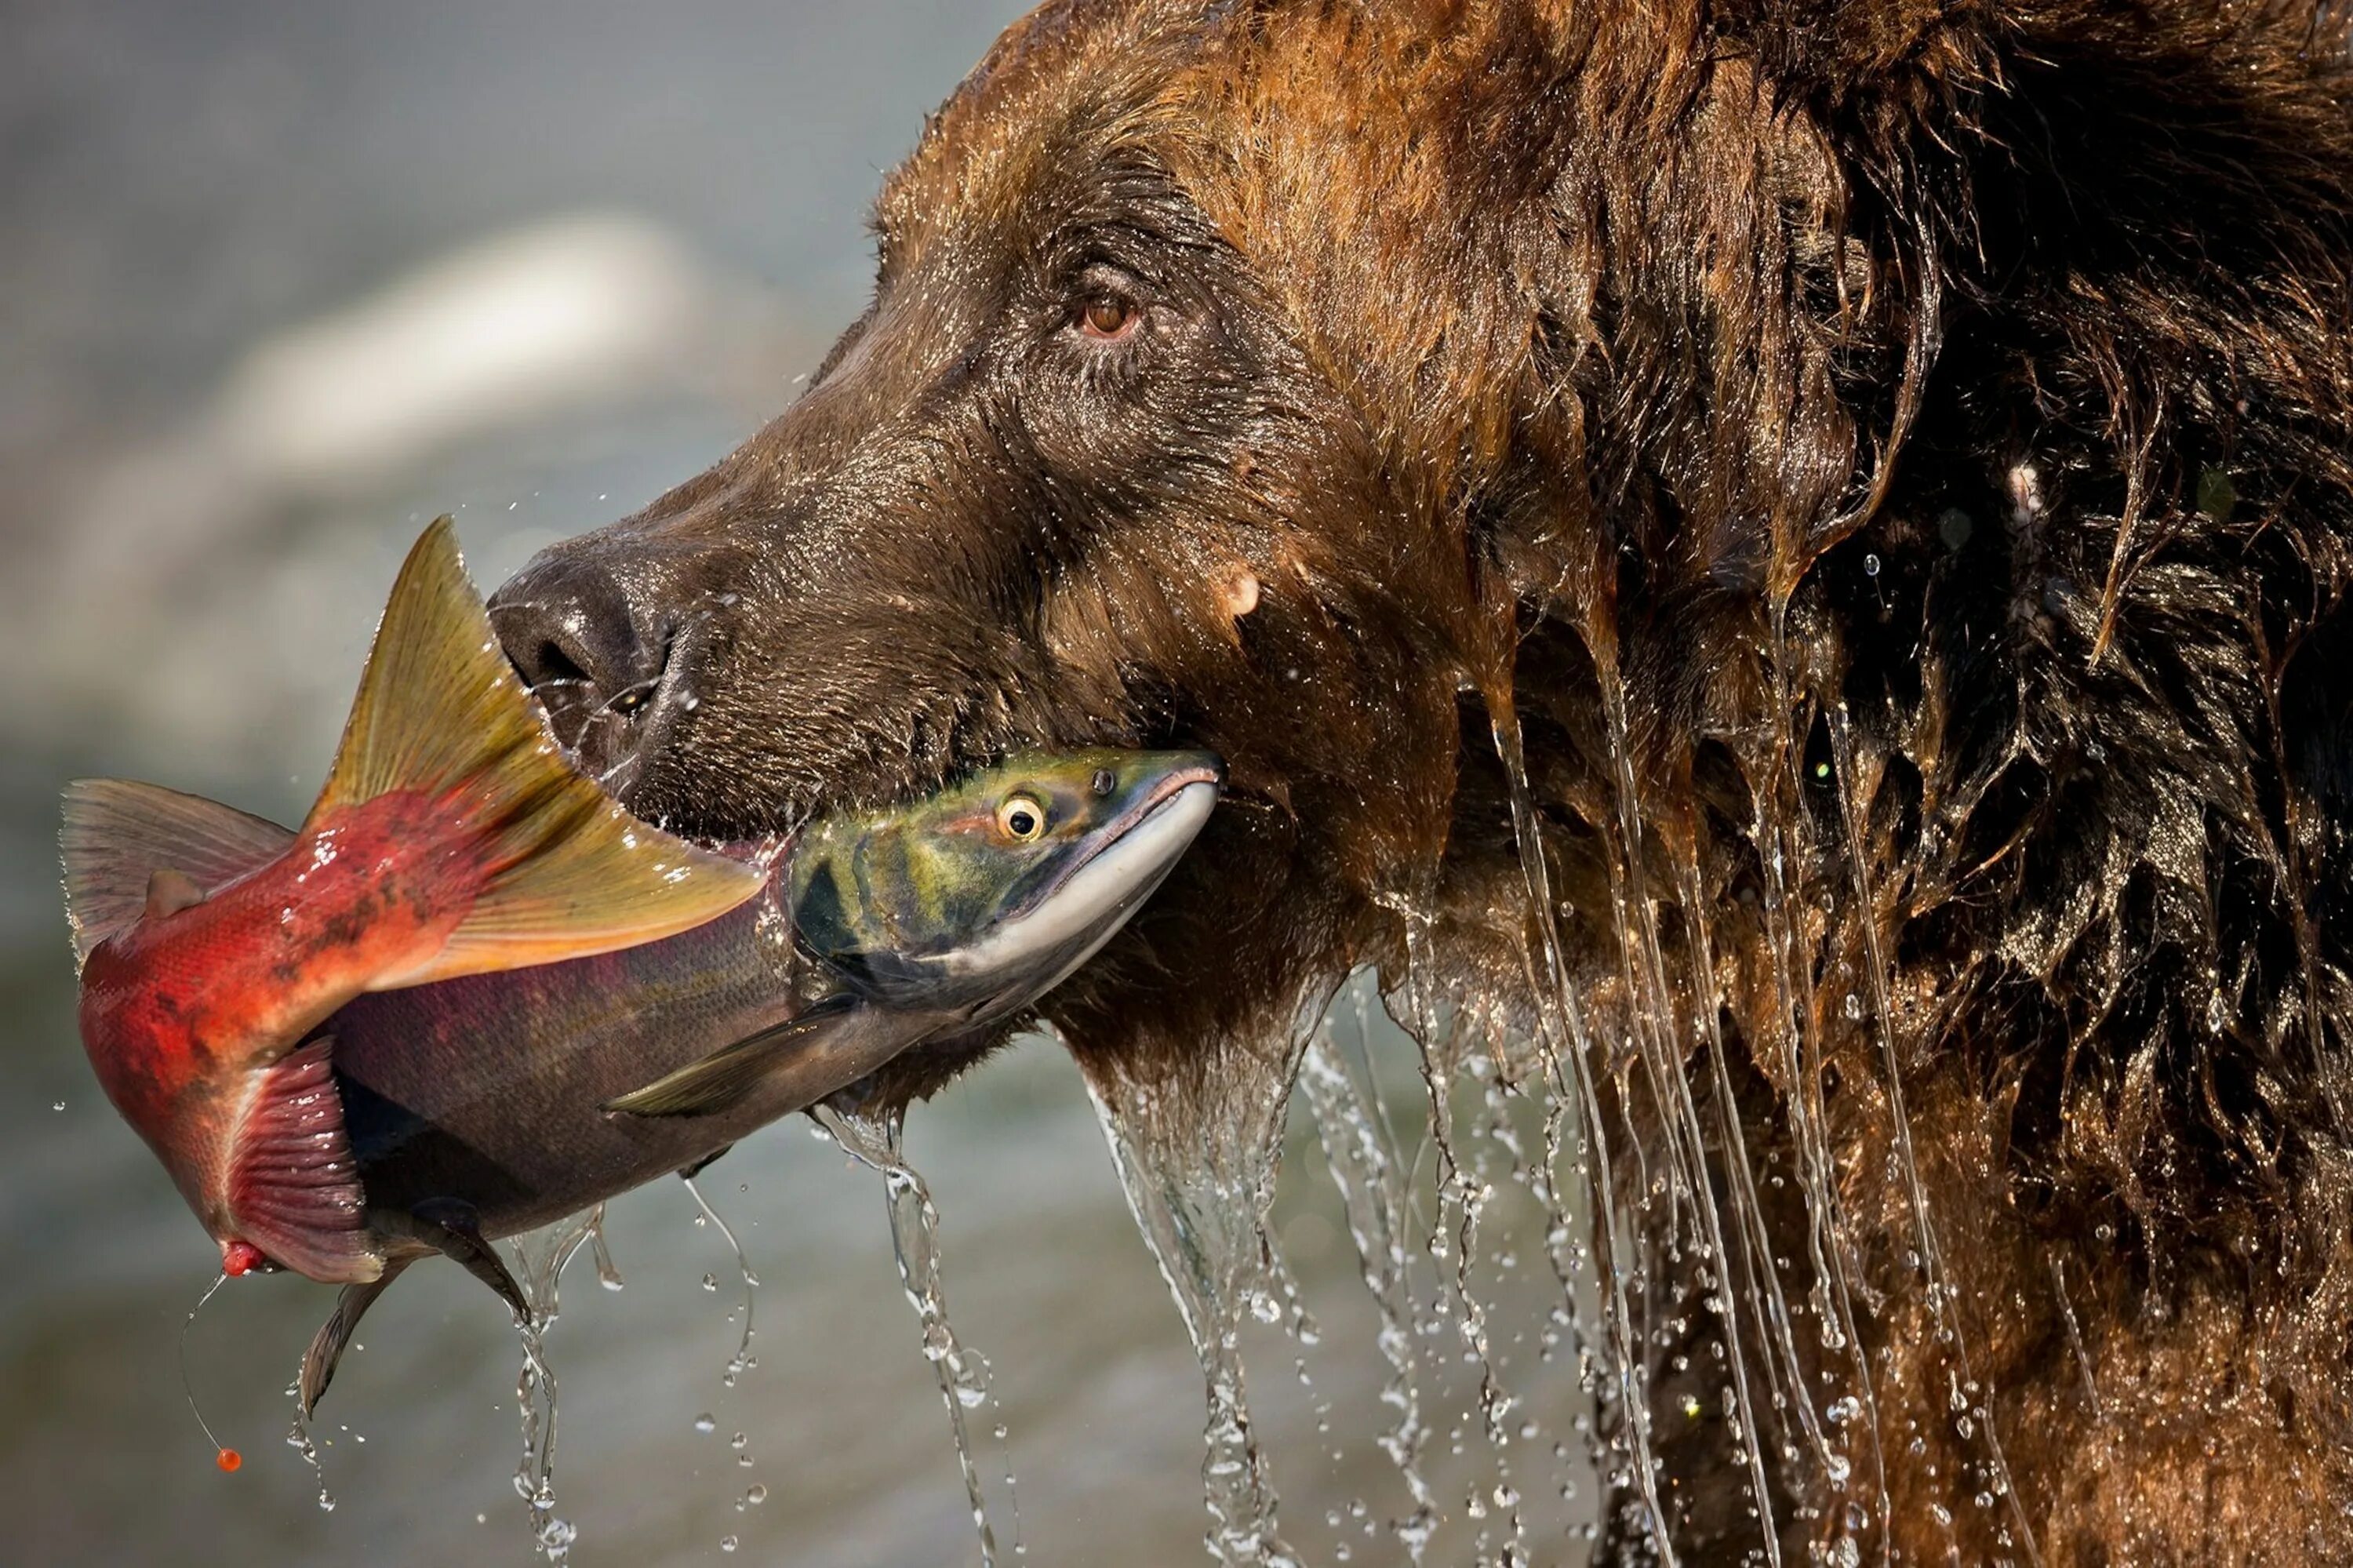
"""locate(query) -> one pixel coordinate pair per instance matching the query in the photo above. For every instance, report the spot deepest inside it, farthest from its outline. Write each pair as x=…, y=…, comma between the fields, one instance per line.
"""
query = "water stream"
x=1569, y=1059
x=876, y=1139
x=540, y=1258
x=1363, y=1166
x=1196, y=1159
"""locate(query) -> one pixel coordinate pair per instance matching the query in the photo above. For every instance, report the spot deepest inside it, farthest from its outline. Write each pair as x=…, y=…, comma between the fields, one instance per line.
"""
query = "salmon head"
x=986, y=895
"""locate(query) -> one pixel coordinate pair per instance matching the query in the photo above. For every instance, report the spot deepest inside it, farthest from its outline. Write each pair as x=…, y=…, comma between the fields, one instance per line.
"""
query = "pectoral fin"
x=326, y=1351
x=835, y=1043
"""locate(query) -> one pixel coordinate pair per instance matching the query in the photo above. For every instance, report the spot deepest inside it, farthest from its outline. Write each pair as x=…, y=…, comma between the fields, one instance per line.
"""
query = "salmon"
x=481, y=1107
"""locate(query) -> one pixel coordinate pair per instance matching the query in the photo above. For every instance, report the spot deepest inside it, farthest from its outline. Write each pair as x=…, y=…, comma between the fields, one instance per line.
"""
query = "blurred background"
x=282, y=281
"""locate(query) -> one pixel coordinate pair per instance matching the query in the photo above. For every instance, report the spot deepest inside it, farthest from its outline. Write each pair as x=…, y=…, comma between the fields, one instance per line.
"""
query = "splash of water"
x=963, y=1371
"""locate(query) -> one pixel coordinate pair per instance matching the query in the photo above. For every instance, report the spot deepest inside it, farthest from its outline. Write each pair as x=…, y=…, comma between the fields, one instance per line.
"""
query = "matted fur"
x=1894, y=464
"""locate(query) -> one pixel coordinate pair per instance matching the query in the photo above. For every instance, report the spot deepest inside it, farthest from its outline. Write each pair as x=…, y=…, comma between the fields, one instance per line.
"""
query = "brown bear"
x=1879, y=473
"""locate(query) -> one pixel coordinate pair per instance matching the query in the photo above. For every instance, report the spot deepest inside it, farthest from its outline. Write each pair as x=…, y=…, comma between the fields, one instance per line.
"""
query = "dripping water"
x=1761, y=1279
x=1444, y=1038
x=1643, y=968
x=1569, y=1053
x=1932, y=1260
x=540, y=1257
x=876, y=1141
x=1198, y=1187
x=1373, y=1195
x=742, y=1360
x=609, y=1273
x=1773, y=830
x=298, y=1435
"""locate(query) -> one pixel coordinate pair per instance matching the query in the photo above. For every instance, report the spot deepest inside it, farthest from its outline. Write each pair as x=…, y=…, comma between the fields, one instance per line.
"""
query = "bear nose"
x=572, y=631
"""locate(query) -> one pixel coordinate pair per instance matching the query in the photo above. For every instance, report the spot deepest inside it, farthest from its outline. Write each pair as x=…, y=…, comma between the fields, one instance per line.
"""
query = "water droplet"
x=56, y=1105
x=703, y=1423
x=727, y=1544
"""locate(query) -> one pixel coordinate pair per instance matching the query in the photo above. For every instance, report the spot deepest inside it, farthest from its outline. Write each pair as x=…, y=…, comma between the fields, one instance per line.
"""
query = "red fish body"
x=452, y=839
x=186, y=1015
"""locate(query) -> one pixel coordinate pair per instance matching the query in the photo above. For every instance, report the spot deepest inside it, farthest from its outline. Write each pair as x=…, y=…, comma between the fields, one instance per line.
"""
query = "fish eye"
x=1021, y=819
x=1104, y=782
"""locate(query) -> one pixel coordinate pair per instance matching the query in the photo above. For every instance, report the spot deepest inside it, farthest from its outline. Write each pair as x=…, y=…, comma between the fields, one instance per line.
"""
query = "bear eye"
x=1108, y=317
x=1021, y=819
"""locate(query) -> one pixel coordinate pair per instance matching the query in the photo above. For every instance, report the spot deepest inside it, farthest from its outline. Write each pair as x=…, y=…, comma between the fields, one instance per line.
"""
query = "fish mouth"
x=1189, y=789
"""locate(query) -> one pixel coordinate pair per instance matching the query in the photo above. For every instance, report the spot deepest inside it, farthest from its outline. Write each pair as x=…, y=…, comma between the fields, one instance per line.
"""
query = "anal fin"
x=326, y=1351
x=452, y=1228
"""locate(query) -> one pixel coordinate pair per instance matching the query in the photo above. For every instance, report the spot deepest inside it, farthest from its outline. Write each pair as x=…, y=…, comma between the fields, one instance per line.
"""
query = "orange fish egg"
x=228, y=1458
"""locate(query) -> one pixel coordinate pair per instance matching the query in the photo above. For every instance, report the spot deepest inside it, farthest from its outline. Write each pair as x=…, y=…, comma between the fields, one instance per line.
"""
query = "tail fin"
x=441, y=711
x=119, y=834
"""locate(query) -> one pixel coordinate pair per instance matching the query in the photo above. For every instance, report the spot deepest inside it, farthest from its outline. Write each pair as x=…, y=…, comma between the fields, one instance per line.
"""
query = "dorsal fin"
x=441, y=711
x=118, y=834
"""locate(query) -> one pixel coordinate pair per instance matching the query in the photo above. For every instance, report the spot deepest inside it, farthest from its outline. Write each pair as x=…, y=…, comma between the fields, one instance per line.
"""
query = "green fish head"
x=987, y=894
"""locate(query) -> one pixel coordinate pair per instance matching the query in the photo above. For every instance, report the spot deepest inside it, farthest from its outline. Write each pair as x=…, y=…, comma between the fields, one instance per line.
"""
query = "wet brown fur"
x=1915, y=438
